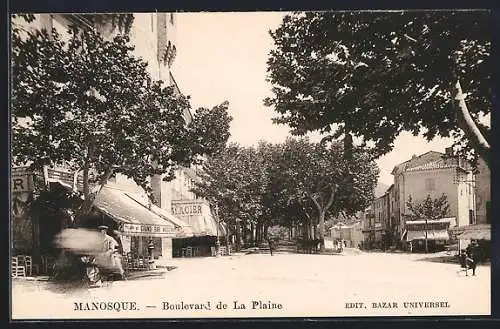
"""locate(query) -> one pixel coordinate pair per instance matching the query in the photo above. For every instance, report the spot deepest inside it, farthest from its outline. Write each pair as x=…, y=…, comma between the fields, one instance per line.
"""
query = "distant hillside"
x=380, y=189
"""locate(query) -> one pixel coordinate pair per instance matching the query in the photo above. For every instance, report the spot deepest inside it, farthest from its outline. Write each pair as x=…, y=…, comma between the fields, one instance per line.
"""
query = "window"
x=430, y=184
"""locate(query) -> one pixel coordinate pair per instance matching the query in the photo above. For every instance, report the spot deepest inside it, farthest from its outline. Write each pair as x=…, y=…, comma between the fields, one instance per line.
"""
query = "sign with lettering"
x=22, y=183
x=186, y=209
x=147, y=230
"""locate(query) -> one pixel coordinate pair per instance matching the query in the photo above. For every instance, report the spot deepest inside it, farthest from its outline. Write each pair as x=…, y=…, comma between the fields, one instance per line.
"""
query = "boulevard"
x=260, y=285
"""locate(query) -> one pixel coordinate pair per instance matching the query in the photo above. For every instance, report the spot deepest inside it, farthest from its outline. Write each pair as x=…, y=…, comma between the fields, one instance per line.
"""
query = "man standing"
x=472, y=256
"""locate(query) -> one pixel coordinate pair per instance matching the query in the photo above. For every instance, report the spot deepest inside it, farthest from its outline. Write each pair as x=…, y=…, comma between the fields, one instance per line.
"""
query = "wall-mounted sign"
x=22, y=183
x=147, y=230
x=183, y=209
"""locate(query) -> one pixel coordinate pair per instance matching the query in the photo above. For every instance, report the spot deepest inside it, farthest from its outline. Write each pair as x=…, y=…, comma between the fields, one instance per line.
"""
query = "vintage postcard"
x=250, y=164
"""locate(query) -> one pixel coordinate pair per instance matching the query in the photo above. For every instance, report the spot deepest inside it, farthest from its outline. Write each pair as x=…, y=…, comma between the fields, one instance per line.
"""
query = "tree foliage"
x=321, y=175
x=235, y=182
x=89, y=102
x=122, y=22
x=376, y=74
x=429, y=208
x=289, y=183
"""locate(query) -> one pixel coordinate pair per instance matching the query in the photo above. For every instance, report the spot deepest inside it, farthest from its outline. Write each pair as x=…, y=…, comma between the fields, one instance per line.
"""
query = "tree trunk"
x=238, y=235
x=322, y=231
x=88, y=202
x=469, y=127
x=253, y=235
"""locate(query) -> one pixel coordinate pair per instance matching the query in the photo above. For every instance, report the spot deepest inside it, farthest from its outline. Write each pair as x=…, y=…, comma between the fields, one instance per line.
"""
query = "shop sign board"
x=186, y=209
x=140, y=229
x=22, y=182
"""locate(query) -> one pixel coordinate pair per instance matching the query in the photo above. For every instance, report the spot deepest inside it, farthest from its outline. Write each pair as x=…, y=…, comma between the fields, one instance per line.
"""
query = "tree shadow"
x=445, y=259
x=68, y=287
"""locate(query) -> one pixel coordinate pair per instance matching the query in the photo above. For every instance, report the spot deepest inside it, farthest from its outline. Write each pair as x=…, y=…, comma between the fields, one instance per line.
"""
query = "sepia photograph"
x=265, y=164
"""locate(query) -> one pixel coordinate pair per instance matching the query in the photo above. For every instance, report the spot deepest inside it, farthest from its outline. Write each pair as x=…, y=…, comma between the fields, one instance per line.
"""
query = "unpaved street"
x=279, y=285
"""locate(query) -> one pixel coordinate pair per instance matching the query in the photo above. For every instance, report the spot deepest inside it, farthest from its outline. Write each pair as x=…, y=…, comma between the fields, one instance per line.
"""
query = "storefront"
x=206, y=231
x=136, y=224
x=480, y=233
x=23, y=231
x=435, y=232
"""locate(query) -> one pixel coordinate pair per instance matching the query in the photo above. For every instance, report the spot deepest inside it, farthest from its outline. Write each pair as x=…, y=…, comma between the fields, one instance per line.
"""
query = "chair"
x=141, y=263
x=27, y=262
x=17, y=270
x=189, y=252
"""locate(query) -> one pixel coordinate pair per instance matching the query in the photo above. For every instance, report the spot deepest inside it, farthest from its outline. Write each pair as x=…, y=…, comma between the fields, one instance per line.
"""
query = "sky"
x=223, y=56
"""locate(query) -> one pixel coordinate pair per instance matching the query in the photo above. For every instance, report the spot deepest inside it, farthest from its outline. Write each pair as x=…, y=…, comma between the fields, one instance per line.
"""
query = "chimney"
x=413, y=156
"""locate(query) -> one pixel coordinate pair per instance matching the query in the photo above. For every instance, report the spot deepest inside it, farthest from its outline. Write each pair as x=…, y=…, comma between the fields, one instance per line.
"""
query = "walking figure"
x=271, y=245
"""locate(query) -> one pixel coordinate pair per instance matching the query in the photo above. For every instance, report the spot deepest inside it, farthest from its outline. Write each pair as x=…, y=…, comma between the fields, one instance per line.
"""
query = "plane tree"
x=372, y=75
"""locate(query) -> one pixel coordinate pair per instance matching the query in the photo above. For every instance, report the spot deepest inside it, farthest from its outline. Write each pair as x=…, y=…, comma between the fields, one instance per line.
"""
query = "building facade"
x=385, y=222
x=154, y=38
x=400, y=196
x=483, y=193
x=434, y=174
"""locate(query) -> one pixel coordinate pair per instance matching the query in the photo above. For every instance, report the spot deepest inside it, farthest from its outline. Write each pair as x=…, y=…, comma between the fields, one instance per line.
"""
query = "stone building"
x=154, y=38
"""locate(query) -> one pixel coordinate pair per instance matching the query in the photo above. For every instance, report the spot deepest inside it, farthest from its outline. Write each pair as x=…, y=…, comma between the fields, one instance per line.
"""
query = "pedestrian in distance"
x=151, y=247
x=271, y=245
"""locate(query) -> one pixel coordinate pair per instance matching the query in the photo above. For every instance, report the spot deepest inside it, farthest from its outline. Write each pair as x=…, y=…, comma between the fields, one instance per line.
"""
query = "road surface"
x=260, y=285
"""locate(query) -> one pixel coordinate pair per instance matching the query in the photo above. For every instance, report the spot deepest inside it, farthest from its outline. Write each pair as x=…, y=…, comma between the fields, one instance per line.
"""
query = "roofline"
x=418, y=156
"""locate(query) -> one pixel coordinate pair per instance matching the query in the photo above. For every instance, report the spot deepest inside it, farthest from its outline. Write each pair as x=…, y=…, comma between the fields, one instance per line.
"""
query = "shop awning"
x=448, y=220
x=475, y=232
x=134, y=219
x=184, y=229
x=431, y=235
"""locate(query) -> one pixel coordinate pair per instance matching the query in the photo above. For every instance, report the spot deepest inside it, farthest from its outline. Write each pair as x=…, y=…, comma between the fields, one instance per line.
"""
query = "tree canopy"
x=289, y=183
x=376, y=74
x=89, y=102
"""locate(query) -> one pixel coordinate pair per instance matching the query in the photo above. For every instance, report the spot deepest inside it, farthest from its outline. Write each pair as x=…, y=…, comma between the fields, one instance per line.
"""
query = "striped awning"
x=134, y=219
x=431, y=235
x=474, y=232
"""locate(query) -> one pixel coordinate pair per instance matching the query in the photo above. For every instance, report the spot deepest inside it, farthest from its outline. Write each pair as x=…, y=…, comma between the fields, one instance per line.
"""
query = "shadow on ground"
x=76, y=287
x=448, y=259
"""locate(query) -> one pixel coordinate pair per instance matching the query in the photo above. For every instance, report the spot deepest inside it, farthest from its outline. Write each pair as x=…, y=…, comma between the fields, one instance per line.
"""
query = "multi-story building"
x=377, y=223
x=430, y=174
x=483, y=193
x=154, y=38
x=400, y=196
x=435, y=174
